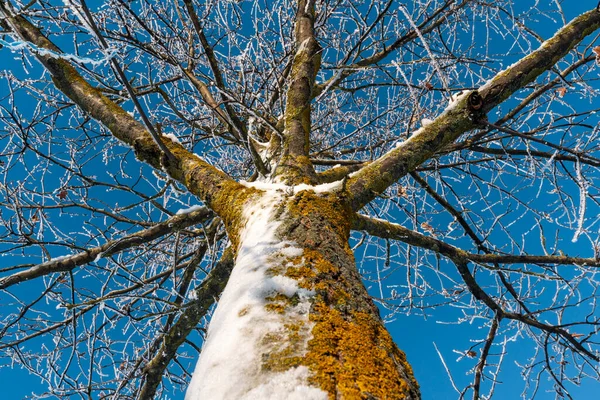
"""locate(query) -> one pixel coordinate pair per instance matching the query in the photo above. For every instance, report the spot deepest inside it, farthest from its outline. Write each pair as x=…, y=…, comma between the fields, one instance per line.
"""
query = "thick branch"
x=69, y=263
x=460, y=259
x=505, y=83
x=464, y=115
x=389, y=230
x=295, y=164
x=198, y=176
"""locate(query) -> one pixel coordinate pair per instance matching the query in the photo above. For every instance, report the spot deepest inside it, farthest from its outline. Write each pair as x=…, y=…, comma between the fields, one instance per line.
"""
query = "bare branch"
x=68, y=263
x=466, y=114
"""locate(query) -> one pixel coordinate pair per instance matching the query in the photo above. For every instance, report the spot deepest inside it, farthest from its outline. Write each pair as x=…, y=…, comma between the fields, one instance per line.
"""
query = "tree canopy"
x=462, y=136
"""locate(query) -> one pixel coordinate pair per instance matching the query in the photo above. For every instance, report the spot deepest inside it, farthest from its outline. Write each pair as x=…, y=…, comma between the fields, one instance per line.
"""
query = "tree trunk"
x=295, y=320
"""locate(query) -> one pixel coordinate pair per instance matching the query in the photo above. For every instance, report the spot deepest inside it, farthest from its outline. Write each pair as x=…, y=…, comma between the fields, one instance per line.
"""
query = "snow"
x=488, y=84
x=60, y=258
x=18, y=45
x=229, y=364
x=282, y=187
x=172, y=137
x=455, y=98
x=189, y=209
x=75, y=10
x=583, y=193
x=303, y=46
x=291, y=386
x=426, y=121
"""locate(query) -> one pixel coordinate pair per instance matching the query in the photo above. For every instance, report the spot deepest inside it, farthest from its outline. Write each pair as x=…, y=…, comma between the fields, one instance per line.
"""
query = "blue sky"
x=414, y=334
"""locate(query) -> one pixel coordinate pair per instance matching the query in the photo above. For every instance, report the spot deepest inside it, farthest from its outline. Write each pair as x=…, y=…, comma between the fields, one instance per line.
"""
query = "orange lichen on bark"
x=340, y=338
x=354, y=357
x=351, y=355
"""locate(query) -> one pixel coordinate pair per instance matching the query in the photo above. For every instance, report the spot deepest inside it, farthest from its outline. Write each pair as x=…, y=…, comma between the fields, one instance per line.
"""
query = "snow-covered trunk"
x=295, y=321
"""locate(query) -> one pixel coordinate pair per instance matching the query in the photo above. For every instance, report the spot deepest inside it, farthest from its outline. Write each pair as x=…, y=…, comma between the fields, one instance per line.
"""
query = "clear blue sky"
x=413, y=334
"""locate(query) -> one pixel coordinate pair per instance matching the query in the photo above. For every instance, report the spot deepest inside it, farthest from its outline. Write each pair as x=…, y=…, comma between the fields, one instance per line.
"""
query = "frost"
x=303, y=46
x=414, y=95
x=425, y=45
x=229, y=365
x=98, y=257
x=75, y=10
x=291, y=384
x=199, y=158
x=583, y=193
x=21, y=45
x=59, y=258
x=252, y=124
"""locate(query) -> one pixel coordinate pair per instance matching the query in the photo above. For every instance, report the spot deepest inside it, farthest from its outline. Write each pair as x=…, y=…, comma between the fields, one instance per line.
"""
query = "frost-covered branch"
x=68, y=263
x=466, y=113
x=205, y=295
x=460, y=259
x=429, y=24
x=201, y=178
x=294, y=166
x=389, y=230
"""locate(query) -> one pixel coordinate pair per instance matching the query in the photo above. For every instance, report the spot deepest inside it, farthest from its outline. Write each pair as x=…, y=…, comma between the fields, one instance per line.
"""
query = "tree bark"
x=295, y=319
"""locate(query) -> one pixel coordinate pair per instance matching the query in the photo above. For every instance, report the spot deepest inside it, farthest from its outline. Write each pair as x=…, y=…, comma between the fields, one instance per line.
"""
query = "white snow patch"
x=60, y=258
x=229, y=366
x=172, y=137
x=199, y=158
x=304, y=45
x=189, y=209
x=425, y=122
x=292, y=385
x=282, y=187
x=455, y=98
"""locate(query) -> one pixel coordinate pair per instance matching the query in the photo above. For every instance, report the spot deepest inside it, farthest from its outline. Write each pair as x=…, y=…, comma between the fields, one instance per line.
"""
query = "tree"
x=299, y=140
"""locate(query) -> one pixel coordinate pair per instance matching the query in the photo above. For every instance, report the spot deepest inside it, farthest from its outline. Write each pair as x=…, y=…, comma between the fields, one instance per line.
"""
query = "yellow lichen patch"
x=296, y=170
x=279, y=302
x=332, y=209
x=310, y=275
x=301, y=272
x=352, y=357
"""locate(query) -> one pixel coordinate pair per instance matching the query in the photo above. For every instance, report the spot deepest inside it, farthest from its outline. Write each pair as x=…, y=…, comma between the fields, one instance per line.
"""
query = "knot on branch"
x=475, y=101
